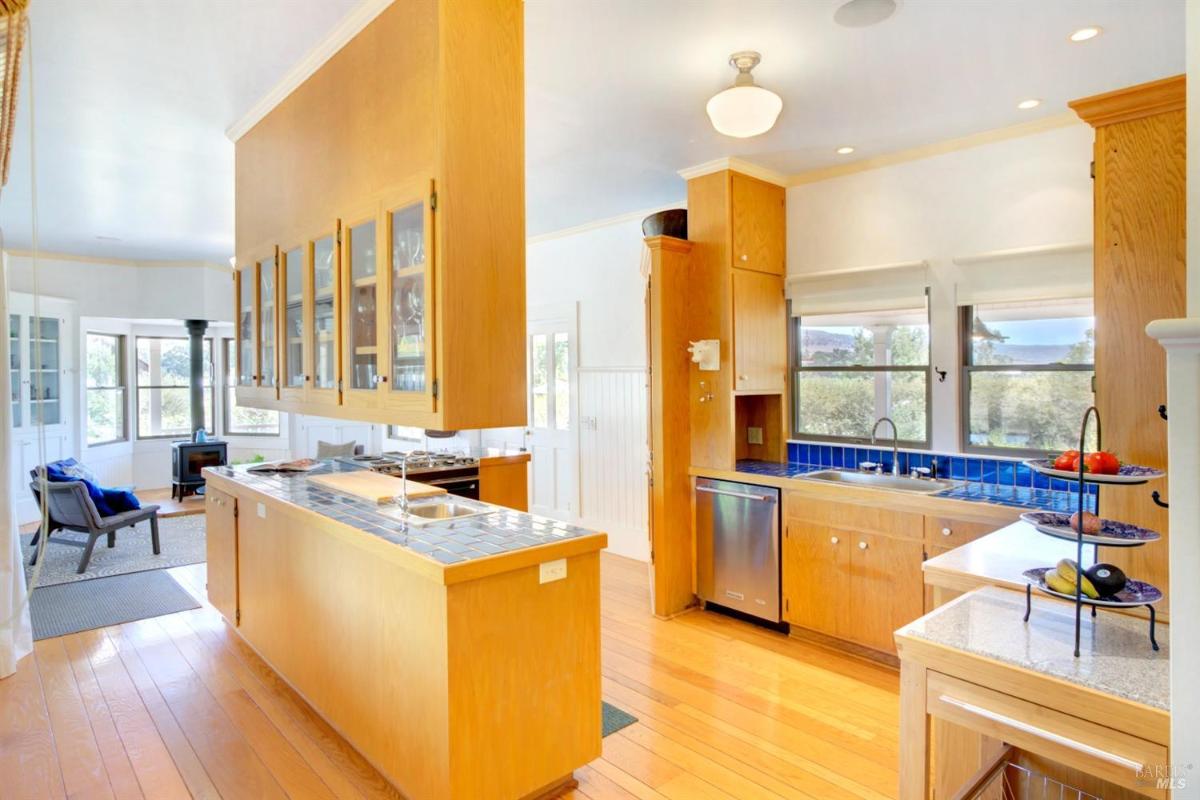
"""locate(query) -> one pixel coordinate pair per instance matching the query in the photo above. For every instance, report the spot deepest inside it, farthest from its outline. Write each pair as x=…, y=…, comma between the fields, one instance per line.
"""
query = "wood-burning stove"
x=188, y=459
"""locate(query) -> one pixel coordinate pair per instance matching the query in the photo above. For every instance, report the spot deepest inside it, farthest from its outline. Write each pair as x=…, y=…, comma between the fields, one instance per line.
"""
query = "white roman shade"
x=1055, y=272
x=885, y=287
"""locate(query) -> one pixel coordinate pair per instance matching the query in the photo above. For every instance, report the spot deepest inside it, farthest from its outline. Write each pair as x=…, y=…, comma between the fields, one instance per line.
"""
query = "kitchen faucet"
x=895, y=442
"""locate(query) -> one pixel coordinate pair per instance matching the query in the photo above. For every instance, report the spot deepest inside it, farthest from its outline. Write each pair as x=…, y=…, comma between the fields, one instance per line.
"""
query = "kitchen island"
x=461, y=657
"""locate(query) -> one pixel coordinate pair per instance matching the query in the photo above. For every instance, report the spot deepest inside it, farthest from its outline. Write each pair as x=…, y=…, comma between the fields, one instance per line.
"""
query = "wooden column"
x=1140, y=264
x=667, y=321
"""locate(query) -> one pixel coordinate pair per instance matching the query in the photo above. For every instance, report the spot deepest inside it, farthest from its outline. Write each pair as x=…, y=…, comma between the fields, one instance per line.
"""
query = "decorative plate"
x=1129, y=474
x=1112, y=533
x=1135, y=593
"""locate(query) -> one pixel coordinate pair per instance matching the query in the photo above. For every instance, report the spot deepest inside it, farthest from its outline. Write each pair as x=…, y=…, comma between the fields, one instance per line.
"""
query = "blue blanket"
x=107, y=501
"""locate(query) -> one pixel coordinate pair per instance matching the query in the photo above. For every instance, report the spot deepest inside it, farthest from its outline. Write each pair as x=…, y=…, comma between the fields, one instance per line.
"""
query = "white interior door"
x=554, y=467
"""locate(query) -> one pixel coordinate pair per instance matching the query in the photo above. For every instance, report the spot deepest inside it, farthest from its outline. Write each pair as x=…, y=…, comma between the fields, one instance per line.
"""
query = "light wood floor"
x=178, y=706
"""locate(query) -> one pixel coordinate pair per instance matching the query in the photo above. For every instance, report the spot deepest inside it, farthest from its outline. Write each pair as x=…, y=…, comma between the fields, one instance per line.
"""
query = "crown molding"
x=42, y=255
x=603, y=223
x=737, y=165
x=349, y=27
x=1054, y=122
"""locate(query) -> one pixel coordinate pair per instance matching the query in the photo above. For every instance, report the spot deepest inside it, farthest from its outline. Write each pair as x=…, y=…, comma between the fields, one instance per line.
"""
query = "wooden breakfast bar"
x=462, y=657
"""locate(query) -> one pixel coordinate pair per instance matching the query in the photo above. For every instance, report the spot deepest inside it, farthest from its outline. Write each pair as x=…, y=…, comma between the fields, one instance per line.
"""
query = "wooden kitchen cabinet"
x=759, y=314
x=416, y=306
x=221, y=542
x=759, y=224
x=816, y=577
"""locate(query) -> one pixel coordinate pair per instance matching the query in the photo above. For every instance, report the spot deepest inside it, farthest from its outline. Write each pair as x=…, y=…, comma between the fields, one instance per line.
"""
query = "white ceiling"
x=134, y=96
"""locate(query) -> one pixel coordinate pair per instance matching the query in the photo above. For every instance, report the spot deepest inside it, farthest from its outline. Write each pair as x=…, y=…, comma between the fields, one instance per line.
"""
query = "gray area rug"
x=84, y=605
x=612, y=719
x=181, y=541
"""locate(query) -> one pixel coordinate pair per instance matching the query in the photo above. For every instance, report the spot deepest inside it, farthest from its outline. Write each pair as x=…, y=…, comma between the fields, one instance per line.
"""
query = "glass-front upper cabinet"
x=45, y=394
x=322, y=327
x=362, y=328
x=267, y=304
x=291, y=289
x=246, y=281
x=14, y=367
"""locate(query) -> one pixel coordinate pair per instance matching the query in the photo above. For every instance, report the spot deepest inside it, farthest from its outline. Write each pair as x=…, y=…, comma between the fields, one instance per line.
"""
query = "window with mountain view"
x=1027, y=375
x=852, y=369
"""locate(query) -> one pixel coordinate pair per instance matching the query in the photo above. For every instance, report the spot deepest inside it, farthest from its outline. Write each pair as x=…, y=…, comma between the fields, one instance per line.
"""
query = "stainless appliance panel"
x=737, y=529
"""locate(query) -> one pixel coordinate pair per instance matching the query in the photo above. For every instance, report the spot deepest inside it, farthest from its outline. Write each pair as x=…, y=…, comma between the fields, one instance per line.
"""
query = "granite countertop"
x=970, y=491
x=500, y=531
x=1115, y=653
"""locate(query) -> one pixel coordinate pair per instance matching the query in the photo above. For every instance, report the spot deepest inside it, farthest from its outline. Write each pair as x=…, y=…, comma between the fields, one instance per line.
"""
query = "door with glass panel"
x=268, y=328
x=551, y=434
x=362, y=291
x=322, y=327
x=408, y=369
x=291, y=322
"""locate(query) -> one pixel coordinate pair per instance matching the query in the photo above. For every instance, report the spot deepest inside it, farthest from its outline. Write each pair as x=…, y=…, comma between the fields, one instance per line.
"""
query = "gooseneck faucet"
x=895, y=442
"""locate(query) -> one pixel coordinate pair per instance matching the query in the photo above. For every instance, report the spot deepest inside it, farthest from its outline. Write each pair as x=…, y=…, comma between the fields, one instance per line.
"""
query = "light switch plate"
x=262, y=510
x=754, y=435
x=552, y=570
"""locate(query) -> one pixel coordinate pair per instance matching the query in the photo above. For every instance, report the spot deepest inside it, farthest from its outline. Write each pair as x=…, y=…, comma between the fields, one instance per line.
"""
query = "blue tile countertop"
x=450, y=542
x=1007, y=494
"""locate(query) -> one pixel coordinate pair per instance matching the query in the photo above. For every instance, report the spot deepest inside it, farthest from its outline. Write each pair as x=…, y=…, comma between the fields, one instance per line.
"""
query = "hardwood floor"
x=177, y=706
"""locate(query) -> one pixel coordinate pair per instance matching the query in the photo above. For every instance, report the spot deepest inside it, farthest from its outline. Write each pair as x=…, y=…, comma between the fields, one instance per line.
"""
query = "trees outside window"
x=1027, y=375
x=852, y=369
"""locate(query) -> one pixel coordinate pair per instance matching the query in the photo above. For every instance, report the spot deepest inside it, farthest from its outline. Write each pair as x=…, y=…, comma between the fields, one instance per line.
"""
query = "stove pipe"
x=196, y=329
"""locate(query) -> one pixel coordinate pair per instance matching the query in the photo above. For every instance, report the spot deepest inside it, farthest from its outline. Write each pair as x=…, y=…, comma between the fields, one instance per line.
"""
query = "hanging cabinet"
x=411, y=310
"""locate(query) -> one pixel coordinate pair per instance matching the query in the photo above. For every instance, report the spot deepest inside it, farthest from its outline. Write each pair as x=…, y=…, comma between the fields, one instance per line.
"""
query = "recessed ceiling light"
x=1083, y=34
x=1032, y=102
x=845, y=151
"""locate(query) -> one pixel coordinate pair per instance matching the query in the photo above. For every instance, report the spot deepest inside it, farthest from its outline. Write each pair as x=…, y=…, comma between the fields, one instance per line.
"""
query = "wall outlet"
x=754, y=435
x=262, y=510
x=552, y=570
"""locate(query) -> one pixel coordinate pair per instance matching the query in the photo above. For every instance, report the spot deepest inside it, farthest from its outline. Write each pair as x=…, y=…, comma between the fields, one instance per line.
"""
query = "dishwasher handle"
x=763, y=498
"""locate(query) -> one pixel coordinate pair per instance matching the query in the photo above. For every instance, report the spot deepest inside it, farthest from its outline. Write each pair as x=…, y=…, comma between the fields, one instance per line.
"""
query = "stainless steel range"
x=457, y=474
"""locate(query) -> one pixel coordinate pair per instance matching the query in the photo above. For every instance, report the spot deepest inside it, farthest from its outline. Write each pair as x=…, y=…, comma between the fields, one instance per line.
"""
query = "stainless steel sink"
x=876, y=480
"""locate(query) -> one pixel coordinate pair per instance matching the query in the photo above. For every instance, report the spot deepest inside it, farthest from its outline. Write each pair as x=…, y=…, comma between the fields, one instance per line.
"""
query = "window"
x=238, y=419
x=105, y=388
x=163, y=396
x=1027, y=375
x=850, y=369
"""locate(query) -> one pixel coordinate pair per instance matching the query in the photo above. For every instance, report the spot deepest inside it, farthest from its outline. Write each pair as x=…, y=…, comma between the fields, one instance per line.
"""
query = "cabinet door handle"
x=833, y=540
x=862, y=545
x=946, y=531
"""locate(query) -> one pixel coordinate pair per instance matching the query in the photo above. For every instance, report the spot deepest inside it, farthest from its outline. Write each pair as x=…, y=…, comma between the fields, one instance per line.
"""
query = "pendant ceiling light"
x=744, y=110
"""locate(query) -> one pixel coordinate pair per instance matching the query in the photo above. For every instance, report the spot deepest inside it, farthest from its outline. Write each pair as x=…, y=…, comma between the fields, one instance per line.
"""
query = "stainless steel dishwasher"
x=737, y=546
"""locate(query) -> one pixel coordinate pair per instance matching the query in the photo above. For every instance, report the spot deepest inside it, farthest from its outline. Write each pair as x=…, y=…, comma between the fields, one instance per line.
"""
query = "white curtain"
x=16, y=636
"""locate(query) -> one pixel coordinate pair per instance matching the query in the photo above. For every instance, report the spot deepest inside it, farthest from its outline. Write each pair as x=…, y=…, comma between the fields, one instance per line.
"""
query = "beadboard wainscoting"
x=612, y=457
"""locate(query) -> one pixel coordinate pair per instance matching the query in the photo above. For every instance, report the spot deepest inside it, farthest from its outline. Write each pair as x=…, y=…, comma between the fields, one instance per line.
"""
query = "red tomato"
x=1068, y=461
x=1102, y=463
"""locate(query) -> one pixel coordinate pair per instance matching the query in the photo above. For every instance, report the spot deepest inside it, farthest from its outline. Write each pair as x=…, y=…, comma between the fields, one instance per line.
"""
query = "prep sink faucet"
x=895, y=442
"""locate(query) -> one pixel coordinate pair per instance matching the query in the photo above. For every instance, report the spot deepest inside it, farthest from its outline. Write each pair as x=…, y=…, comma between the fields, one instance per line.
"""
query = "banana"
x=1065, y=576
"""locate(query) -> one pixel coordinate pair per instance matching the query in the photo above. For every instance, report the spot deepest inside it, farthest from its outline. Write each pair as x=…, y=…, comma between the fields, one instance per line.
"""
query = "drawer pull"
x=1080, y=747
x=946, y=531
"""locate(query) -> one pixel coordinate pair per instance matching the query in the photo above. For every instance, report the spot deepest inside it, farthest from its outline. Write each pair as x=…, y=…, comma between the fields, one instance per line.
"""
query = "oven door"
x=461, y=486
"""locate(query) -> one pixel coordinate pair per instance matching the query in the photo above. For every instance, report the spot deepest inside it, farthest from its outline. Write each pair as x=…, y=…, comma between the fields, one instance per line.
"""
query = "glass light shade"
x=744, y=111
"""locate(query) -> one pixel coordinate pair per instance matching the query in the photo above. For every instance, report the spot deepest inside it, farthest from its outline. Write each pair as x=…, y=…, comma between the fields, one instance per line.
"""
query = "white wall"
x=134, y=290
x=599, y=269
x=1023, y=192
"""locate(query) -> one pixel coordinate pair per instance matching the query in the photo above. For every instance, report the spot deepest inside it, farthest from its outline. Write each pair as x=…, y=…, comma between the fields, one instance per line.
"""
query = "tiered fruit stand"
x=1111, y=534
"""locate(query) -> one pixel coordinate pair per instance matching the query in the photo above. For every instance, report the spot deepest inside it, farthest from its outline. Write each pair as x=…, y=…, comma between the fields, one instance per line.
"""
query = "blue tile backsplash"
x=994, y=480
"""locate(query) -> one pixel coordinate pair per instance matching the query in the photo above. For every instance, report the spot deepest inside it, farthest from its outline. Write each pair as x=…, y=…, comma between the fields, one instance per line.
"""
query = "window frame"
x=228, y=344
x=137, y=393
x=966, y=327
x=795, y=367
x=122, y=384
